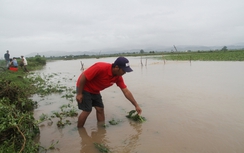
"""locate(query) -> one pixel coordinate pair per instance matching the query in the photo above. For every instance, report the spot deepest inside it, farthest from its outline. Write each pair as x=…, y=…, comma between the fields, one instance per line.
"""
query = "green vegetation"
x=35, y=63
x=18, y=127
x=135, y=117
x=45, y=87
x=102, y=148
x=237, y=55
x=65, y=112
x=113, y=122
x=17, y=124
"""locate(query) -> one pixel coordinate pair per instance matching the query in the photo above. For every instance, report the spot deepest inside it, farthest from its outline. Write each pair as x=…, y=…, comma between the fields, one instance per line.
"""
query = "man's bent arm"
x=130, y=97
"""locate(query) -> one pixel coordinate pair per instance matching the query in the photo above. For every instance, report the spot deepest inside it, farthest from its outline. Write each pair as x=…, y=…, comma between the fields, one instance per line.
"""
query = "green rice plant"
x=102, y=148
x=51, y=147
x=113, y=122
x=105, y=125
x=44, y=117
x=46, y=84
x=135, y=117
x=66, y=111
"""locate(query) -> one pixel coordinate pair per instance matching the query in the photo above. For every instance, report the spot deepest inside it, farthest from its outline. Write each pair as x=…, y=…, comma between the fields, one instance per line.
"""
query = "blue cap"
x=123, y=63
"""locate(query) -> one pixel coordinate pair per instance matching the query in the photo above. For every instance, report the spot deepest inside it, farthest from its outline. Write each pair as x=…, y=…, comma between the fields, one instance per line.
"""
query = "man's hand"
x=138, y=109
x=79, y=98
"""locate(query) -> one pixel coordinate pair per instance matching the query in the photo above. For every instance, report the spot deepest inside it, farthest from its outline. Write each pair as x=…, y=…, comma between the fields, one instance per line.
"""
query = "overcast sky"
x=28, y=26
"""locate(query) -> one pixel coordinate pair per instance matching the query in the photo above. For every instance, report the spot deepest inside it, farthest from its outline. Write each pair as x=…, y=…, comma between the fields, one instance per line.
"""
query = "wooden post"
x=82, y=66
x=141, y=61
x=163, y=58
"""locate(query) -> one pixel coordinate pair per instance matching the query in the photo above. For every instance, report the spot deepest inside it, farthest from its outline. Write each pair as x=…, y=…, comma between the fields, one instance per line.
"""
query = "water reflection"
x=132, y=141
x=87, y=141
x=127, y=143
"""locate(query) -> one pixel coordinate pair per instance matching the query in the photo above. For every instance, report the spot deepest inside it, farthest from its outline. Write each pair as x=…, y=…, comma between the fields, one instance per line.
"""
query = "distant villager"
x=14, y=63
x=7, y=58
x=13, y=66
x=24, y=63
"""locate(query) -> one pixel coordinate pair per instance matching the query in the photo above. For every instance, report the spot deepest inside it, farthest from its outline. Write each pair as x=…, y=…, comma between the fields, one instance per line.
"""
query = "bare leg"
x=100, y=114
x=82, y=118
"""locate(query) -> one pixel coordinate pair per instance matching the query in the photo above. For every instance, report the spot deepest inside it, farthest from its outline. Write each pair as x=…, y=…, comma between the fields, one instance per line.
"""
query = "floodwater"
x=195, y=107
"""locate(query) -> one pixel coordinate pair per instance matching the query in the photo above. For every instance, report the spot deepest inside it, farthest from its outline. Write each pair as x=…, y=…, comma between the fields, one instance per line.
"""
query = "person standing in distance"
x=99, y=76
x=7, y=58
x=24, y=63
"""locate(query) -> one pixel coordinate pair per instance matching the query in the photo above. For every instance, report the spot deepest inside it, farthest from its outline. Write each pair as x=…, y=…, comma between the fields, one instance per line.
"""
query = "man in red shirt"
x=96, y=78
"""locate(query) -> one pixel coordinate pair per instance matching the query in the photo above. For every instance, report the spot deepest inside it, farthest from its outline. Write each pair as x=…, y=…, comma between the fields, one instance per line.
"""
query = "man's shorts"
x=90, y=100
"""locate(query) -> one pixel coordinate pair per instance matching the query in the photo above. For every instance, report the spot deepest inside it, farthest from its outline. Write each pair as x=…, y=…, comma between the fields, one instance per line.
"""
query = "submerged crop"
x=135, y=117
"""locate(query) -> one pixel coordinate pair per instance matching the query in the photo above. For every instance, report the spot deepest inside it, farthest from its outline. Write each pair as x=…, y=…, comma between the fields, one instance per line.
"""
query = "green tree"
x=224, y=48
x=141, y=51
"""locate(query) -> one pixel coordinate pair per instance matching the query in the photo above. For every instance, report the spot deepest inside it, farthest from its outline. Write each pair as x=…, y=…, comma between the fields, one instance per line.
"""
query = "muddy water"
x=189, y=107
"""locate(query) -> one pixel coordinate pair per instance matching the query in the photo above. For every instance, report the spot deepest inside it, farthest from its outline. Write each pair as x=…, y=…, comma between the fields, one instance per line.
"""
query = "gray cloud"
x=36, y=26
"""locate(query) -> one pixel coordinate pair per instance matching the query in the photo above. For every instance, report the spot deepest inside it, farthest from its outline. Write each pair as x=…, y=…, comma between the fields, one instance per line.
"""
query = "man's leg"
x=25, y=68
x=100, y=114
x=7, y=64
x=82, y=118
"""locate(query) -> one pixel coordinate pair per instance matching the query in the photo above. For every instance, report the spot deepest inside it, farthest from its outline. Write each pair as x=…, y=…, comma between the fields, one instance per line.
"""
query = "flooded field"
x=195, y=107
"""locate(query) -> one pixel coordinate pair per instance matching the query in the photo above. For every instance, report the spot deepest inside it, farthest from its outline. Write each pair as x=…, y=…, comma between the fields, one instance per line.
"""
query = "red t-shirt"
x=99, y=76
